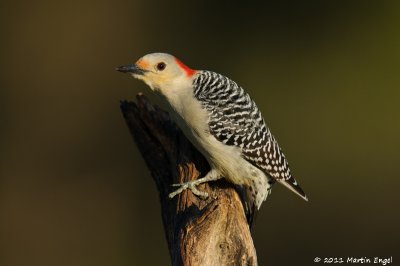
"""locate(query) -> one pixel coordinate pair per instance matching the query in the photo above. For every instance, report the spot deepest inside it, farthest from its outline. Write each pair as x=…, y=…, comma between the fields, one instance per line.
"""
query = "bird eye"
x=161, y=66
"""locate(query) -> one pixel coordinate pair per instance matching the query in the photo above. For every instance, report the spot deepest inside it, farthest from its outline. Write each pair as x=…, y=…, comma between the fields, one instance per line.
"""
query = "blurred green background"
x=74, y=189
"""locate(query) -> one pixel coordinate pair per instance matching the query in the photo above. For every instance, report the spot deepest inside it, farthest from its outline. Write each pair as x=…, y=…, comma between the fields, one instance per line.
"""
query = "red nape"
x=187, y=69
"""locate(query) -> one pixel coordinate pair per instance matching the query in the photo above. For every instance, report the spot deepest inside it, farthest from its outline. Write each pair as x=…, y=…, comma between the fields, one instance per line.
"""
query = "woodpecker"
x=222, y=122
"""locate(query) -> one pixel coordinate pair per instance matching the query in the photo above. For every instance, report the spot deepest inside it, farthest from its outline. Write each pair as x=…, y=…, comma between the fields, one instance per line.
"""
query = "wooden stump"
x=214, y=231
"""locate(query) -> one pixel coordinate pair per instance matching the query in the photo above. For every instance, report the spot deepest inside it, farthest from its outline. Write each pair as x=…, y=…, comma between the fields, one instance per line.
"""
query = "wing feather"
x=234, y=119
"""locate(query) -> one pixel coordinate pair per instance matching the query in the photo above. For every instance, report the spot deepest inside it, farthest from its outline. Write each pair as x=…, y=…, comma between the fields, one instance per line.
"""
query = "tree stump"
x=214, y=231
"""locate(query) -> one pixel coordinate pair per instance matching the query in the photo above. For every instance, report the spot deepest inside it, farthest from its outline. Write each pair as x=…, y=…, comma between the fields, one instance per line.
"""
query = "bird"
x=221, y=120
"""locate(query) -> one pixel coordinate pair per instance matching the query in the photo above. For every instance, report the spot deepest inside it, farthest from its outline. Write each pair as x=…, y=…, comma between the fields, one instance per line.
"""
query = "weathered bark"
x=214, y=231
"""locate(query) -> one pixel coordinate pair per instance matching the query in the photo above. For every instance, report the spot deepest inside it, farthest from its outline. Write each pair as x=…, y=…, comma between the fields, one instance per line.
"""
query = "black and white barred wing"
x=235, y=120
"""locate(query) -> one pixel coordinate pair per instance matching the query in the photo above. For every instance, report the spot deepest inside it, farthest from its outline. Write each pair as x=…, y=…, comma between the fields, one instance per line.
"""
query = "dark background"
x=73, y=187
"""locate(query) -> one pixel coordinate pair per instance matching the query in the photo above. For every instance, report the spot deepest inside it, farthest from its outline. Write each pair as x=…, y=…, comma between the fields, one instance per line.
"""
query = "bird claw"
x=189, y=185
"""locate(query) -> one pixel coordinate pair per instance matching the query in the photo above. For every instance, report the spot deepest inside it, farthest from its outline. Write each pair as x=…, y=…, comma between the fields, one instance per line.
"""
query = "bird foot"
x=192, y=185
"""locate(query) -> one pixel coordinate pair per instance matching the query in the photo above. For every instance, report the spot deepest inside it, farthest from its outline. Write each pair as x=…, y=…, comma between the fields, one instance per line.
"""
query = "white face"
x=159, y=70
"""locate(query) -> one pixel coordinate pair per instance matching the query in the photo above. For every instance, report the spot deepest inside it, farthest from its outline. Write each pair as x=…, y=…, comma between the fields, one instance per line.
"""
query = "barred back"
x=234, y=119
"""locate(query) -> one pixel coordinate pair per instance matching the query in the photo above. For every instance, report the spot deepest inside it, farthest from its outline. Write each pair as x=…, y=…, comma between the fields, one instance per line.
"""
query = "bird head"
x=159, y=71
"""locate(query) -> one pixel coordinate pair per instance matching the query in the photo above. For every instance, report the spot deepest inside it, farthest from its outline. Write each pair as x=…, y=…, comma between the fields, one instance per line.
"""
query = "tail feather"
x=293, y=186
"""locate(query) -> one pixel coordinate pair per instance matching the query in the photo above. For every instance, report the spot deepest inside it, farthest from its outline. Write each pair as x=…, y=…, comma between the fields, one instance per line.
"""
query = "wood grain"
x=214, y=231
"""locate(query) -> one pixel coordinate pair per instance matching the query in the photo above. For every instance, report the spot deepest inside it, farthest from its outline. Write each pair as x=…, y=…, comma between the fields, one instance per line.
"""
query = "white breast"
x=192, y=118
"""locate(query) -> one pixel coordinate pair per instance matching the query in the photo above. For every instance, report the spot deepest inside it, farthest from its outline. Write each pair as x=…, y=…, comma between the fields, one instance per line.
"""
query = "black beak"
x=131, y=68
